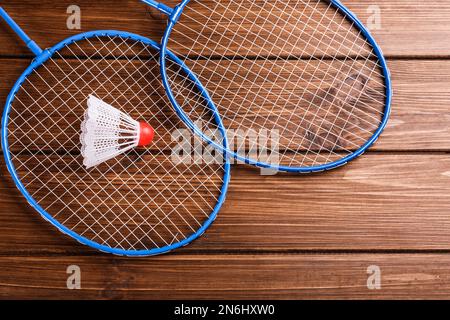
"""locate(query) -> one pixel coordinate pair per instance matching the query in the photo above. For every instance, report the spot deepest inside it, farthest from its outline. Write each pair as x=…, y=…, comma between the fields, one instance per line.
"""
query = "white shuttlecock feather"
x=107, y=132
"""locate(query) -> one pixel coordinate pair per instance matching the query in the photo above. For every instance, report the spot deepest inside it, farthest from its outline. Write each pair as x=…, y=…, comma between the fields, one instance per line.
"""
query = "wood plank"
x=428, y=25
x=426, y=35
x=304, y=29
x=378, y=202
x=420, y=108
x=325, y=117
x=403, y=276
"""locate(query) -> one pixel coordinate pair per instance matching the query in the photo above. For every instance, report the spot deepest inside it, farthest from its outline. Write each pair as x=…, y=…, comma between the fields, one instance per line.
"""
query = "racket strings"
x=284, y=89
x=269, y=53
x=248, y=110
x=99, y=204
x=75, y=226
x=293, y=27
x=187, y=103
x=367, y=100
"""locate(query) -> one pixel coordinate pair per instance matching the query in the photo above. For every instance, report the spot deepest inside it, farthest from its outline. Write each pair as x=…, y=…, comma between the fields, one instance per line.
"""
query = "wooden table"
x=291, y=237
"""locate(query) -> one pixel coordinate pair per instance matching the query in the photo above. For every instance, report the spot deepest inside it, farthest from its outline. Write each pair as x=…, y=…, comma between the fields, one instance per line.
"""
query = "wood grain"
x=225, y=276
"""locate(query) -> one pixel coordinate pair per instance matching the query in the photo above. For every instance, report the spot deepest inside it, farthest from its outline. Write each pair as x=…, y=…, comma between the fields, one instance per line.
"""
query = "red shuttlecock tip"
x=146, y=134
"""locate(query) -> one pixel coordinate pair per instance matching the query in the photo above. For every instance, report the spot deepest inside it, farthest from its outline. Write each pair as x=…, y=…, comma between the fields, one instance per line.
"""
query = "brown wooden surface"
x=220, y=276
x=284, y=236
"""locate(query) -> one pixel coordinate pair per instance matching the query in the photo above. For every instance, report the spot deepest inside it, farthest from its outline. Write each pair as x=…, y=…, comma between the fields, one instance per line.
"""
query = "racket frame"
x=41, y=57
x=174, y=15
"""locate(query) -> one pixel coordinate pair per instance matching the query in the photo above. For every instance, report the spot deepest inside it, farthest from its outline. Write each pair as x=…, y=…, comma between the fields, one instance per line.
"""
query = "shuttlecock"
x=106, y=132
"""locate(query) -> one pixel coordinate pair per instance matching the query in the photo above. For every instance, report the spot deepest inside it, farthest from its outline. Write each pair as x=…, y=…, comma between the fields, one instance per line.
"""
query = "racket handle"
x=30, y=43
x=159, y=6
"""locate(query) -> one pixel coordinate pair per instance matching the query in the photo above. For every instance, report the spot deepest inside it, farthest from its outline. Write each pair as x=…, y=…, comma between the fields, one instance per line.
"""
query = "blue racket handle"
x=30, y=43
x=160, y=6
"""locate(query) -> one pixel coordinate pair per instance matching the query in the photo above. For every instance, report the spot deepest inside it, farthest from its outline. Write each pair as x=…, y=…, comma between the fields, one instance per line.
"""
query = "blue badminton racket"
x=141, y=201
x=301, y=86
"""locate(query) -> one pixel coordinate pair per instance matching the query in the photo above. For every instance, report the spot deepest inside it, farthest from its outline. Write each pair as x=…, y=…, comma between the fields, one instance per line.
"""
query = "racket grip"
x=159, y=6
x=25, y=38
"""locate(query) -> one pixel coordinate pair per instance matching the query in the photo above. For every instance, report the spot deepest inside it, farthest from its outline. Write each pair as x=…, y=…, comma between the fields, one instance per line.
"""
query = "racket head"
x=221, y=175
x=356, y=24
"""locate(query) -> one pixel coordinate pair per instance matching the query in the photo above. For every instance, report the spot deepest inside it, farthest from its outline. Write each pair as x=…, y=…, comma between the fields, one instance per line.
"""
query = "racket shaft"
x=25, y=38
x=159, y=6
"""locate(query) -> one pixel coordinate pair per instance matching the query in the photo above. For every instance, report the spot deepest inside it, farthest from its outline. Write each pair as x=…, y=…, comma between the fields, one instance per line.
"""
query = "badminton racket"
x=300, y=85
x=142, y=201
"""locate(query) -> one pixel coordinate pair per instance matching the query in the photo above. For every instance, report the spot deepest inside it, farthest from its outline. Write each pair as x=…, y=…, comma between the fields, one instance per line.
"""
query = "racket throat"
x=42, y=57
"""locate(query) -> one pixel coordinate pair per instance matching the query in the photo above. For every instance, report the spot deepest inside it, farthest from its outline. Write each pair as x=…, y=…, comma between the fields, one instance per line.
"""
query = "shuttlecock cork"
x=107, y=132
